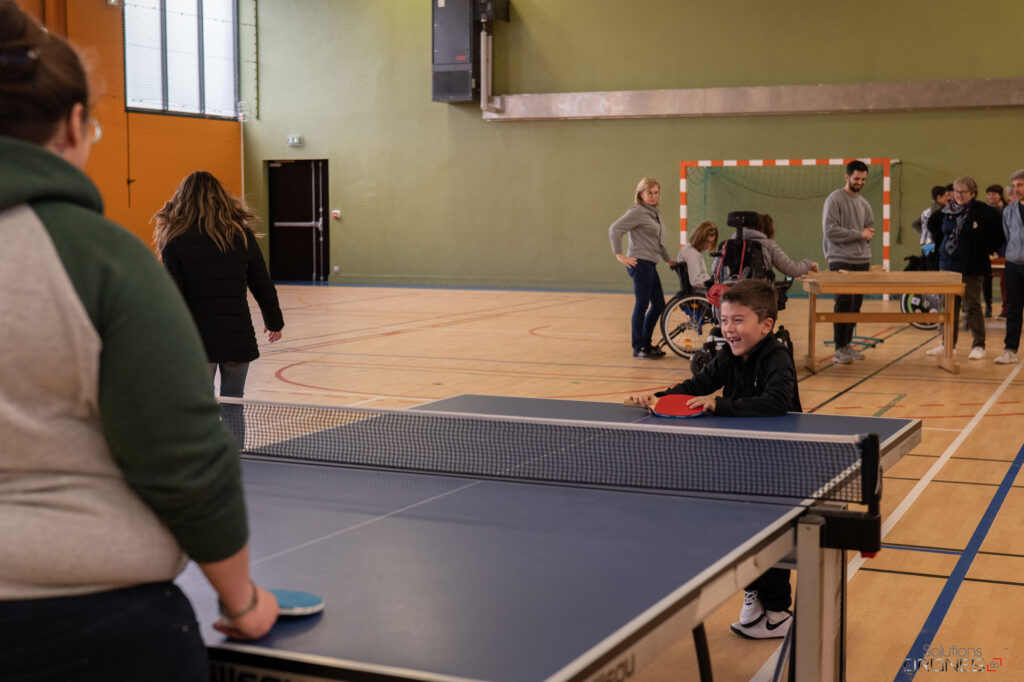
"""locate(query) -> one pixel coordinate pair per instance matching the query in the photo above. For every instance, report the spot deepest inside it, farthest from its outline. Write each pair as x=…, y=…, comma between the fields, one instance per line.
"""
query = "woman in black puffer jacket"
x=205, y=239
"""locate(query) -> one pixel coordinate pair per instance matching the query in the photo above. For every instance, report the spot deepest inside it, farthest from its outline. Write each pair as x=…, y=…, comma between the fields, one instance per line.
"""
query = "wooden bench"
x=947, y=284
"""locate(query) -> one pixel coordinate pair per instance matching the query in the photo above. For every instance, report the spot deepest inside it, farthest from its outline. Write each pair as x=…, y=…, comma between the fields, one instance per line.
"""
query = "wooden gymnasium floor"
x=397, y=348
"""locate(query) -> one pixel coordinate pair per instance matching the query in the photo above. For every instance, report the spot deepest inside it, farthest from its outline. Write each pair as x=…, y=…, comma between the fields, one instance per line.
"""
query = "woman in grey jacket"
x=774, y=256
x=642, y=223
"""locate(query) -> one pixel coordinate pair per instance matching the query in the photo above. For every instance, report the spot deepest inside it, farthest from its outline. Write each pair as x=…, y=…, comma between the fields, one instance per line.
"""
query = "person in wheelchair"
x=773, y=255
x=751, y=253
x=691, y=256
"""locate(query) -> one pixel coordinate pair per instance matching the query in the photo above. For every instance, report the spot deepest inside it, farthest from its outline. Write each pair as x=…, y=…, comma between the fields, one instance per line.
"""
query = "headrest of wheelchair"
x=742, y=219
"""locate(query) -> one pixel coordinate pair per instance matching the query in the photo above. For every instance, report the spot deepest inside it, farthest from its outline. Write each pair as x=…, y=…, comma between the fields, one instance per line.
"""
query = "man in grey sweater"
x=848, y=224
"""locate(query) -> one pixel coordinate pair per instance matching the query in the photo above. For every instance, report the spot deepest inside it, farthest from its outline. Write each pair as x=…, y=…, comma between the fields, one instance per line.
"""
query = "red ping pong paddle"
x=672, y=406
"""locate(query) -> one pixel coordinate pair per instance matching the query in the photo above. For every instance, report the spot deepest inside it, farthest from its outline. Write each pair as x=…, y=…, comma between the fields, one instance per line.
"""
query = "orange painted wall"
x=142, y=157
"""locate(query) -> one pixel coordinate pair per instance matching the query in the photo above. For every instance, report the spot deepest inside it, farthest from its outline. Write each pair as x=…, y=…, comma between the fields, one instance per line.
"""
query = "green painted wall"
x=430, y=194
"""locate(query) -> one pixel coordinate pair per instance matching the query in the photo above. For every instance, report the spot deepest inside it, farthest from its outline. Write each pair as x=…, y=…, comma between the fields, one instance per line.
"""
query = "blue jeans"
x=649, y=303
x=147, y=632
x=232, y=385
x=1014, y=278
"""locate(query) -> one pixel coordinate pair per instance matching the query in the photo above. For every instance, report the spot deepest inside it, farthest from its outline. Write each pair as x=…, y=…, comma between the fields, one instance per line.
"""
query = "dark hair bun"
x=21, y=42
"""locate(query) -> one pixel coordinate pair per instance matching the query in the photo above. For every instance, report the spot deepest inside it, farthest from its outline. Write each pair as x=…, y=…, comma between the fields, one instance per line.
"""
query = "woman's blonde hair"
x=644, y=185
x=201, y=202
x=701, y=234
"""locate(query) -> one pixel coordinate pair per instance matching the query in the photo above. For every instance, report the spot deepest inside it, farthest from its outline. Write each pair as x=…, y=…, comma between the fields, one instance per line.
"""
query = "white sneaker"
x=770, y=625
x=752, y=609
x=842, y=356
x=938, y=350
x=1007, y=357
x=854, y=353
x=977, y=353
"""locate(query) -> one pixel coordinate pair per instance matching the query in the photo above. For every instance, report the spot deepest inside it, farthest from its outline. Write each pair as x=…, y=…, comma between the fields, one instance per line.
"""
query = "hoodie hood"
x=30, y=174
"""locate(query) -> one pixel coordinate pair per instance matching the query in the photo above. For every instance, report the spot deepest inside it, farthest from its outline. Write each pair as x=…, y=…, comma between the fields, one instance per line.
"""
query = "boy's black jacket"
x=764, y=385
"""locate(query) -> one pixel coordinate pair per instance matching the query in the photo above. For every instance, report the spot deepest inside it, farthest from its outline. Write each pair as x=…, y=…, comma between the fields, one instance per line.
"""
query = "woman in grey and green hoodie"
x=114, y=466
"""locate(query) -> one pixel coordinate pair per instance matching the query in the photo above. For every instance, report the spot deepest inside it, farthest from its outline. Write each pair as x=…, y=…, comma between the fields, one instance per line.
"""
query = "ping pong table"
x=452, y=578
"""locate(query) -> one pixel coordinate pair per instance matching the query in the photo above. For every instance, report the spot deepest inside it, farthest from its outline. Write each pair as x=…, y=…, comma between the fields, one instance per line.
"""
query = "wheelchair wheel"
x=700, y=360
x=685, y=323
x=921, y=303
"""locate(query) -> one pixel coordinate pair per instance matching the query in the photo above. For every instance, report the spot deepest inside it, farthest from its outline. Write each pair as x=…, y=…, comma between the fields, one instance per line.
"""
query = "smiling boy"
x=755, y=371
x=759, y=380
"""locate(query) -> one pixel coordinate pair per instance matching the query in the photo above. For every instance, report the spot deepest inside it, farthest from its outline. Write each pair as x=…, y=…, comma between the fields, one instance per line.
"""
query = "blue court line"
x=956, y=578
x=933, y=550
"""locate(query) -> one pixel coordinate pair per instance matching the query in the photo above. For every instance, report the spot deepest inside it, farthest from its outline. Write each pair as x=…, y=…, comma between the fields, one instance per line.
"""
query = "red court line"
x=279, y=375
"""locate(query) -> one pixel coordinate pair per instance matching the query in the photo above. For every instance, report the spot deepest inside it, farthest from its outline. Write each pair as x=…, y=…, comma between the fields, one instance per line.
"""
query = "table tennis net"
x=656, y=458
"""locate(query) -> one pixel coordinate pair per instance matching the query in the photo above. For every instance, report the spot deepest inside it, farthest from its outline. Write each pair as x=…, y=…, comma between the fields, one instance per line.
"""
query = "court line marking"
x=935, y=618
x=915, y=492
x=364, y=523
x=764, y=674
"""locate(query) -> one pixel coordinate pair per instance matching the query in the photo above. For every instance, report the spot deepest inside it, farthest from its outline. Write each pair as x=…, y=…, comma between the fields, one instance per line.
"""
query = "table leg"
x=820, y=608
x=809, y=361
x=947, y=361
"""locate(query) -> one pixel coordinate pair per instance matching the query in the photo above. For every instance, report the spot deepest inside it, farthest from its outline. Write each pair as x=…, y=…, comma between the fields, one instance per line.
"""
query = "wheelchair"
x=687, y=319
x=922, y=303
x=729, y=268
x=702, y=357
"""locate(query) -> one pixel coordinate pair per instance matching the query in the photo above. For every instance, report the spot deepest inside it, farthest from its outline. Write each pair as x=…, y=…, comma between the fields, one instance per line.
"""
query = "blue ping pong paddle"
x=672, y=406
x=292, y=603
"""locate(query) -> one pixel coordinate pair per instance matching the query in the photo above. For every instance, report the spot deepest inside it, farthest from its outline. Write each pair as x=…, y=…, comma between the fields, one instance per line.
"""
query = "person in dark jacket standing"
x=967, y=231
x=646, y=248
x=206, y=241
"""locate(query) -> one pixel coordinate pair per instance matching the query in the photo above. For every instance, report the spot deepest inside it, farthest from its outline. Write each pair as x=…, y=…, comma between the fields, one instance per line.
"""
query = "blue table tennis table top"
x=452, y=578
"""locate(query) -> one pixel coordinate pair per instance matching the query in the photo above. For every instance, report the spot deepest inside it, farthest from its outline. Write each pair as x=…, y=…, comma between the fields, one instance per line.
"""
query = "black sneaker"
x=648, y=353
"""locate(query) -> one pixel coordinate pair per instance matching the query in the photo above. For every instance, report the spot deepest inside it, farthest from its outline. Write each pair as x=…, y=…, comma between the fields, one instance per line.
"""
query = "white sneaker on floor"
x=1007, y=357
x=771, y=625
x=854, y=353
x=842, y=356
x=938, y=350
x=977, y=353
x=752, y=609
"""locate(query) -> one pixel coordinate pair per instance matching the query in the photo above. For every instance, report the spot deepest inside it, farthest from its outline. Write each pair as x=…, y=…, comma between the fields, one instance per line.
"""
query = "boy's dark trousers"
x=773, y=589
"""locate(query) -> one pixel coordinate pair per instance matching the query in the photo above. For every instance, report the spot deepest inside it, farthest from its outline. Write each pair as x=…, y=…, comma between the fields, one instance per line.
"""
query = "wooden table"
x=948, y=284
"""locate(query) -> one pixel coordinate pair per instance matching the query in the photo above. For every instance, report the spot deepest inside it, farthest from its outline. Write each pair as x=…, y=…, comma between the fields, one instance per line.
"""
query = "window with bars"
x=181, y=56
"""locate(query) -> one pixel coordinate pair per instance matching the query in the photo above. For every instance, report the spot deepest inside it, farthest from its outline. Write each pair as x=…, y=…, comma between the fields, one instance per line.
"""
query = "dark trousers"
x=773, y=588
x=971, y=305
x=1014, y=301
x=649, y=303
x=147, y=632
x=842, y=333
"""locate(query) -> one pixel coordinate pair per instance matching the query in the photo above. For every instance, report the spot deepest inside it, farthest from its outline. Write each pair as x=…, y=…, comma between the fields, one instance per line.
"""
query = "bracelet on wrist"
x=231, y=615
